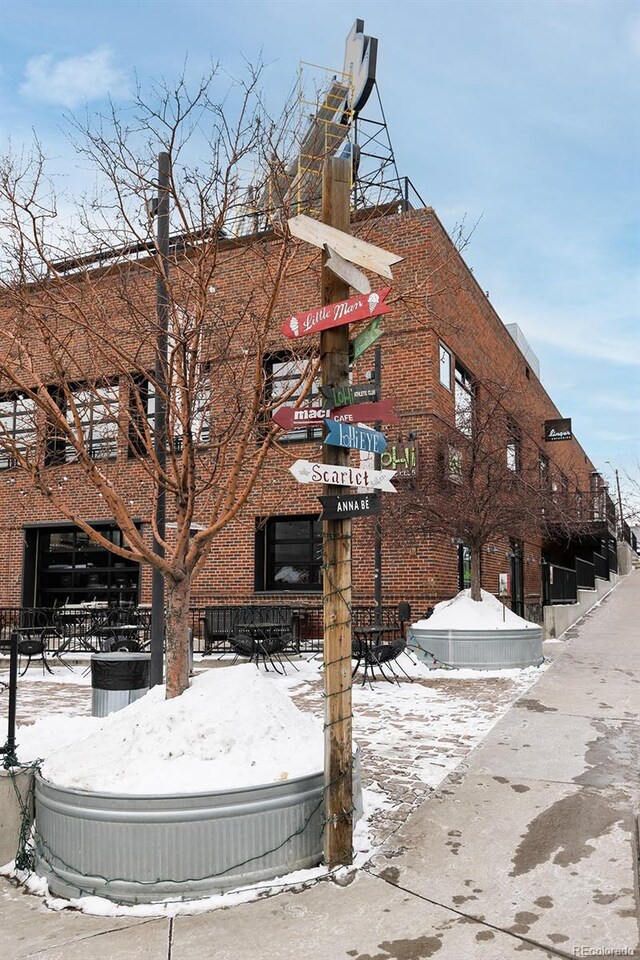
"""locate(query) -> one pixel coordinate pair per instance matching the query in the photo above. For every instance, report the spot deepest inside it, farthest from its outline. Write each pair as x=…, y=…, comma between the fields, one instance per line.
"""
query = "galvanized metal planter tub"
x=479, y=649
x=138, y=849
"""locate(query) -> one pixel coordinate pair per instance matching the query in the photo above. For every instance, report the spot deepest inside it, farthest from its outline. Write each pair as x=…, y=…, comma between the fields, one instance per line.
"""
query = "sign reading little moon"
x=341, y=434
x=349, y=505
x=557, y=430
x=307, y=472
x=362, y=307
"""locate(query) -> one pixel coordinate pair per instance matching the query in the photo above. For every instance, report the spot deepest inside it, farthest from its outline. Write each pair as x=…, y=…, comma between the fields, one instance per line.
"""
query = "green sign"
x=364, y=340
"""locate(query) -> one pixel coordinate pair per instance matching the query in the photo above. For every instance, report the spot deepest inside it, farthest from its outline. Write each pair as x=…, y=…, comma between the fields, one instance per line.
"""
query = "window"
x=17, y=427
x=144, y=394
x=464, y=567
x=283, y=372
x=72, y=569
x=464, y=394
x=445, y=366
x=289, y=553
x=514, y=461
x=543, y=467
x=97, y=409
x=454, y=465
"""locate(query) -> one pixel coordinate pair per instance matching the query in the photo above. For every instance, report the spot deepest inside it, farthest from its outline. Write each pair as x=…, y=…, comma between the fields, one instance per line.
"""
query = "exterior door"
x=517, y=586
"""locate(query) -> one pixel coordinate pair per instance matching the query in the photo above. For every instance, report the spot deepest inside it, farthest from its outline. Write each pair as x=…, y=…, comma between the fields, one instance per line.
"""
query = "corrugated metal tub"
x=137, y=849
x=478, y=649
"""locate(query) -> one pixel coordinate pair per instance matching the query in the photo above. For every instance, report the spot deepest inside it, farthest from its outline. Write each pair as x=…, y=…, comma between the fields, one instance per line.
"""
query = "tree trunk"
x=177, y=636
x=476, y=553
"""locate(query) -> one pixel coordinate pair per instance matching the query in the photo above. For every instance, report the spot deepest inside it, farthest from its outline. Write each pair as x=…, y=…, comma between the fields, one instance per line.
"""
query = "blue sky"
x=524, y=116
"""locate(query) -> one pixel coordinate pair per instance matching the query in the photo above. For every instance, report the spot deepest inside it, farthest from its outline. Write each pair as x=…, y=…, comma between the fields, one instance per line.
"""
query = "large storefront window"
x=71, y=569
x=289, y=553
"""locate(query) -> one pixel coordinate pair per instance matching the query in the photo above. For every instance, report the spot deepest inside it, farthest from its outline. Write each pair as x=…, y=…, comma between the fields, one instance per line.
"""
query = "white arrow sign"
x=307, y=472
x=351, y=248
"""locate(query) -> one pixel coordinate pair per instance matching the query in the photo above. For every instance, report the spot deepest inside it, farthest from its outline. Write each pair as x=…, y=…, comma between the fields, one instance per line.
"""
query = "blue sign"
x=357, y=438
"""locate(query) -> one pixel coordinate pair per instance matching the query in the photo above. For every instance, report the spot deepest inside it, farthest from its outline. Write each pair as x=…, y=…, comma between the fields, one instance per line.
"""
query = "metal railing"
x=601, y=565
x=84, y=629
x=559, y=584
x=585, y=575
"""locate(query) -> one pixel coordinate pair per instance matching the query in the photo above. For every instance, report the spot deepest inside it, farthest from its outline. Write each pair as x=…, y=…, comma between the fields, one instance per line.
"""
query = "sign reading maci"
x=291, y=417
x=361, y=307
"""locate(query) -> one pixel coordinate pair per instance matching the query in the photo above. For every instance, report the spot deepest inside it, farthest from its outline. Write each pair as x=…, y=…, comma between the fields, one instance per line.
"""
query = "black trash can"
x=117, y=679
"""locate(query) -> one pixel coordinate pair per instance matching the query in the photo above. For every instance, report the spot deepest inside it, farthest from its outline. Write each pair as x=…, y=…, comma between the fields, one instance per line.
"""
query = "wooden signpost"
x=362, y=307
x=355, y=438
x=306, y=471
x=349, y=505
x=289, y=418
x=351, y=248
x=350, y=393
x=331, y=320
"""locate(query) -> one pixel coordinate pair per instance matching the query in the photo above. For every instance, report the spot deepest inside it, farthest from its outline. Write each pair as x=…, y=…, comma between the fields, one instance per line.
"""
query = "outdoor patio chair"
x=32, y=643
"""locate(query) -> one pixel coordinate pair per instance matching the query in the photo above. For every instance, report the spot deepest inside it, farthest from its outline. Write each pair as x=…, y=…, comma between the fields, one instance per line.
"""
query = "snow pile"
x=463, y=613
x=232, y=728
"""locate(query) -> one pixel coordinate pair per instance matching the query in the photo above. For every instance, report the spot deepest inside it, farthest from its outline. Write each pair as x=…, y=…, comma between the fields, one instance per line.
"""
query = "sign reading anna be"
x=557, y=430
x=349, y=505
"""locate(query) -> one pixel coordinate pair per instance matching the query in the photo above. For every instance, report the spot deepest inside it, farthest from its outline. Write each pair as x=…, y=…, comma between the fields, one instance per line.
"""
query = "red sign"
x=291, y=417
x=362, y=307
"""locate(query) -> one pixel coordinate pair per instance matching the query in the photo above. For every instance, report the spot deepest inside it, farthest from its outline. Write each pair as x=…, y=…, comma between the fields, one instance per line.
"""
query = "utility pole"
x=160, y=430
x=338, y=748
x=377, y=549
x=619, y=502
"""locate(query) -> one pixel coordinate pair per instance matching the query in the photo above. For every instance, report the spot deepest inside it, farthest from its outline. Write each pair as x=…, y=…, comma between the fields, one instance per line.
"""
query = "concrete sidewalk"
x=529, y=848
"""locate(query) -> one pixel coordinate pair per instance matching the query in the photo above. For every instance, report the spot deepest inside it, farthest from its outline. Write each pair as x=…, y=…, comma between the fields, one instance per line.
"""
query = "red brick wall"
x=435, y=297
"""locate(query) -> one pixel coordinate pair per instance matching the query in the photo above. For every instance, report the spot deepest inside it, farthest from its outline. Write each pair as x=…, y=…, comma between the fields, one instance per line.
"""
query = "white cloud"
x=74, y=80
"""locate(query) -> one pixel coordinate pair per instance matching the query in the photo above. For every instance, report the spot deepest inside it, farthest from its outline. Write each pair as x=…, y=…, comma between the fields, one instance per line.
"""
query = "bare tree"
x=484, y=477
x=85, y=364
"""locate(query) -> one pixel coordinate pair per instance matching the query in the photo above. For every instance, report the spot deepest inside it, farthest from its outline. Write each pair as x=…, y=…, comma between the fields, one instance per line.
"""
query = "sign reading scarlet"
x=307, y=472
x=291, y=417
x=362, y=307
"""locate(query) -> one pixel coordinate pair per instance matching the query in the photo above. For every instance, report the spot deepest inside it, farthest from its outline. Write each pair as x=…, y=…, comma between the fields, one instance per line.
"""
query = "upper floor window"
x=543, y=468
x=454, y=465
x=445, y=366
x=17, y=427
x=284, y=376
x=94, y=409
x=464, y=394
x=514, y=443
x=197, y=410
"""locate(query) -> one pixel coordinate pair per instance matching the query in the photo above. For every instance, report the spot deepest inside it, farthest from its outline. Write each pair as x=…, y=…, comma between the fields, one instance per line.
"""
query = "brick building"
x=442, y=338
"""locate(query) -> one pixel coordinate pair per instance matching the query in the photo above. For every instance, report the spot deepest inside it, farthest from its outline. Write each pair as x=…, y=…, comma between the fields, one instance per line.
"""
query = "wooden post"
x=334, y=350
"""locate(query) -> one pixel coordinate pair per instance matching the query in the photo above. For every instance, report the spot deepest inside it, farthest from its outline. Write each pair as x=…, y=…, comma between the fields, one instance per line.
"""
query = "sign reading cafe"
x=557, y=430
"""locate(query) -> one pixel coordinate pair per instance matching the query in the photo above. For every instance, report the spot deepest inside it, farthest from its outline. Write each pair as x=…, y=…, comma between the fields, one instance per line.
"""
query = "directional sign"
x=350, y=394
x=307, y=472
x=349, y=505
x=289, y=418
x=364, y=340
x=356, y=438
x=346, y=271
x=361, y=307
x=351, y=248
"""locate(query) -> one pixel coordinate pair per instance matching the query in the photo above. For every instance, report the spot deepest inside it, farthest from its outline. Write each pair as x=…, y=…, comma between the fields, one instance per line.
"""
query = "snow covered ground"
x=411, y=735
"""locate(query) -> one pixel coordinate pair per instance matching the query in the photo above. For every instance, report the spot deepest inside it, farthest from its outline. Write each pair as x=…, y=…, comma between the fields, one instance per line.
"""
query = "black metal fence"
x=559, y=584
x=601, y=565
x=90, y=629
x=585, y=575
